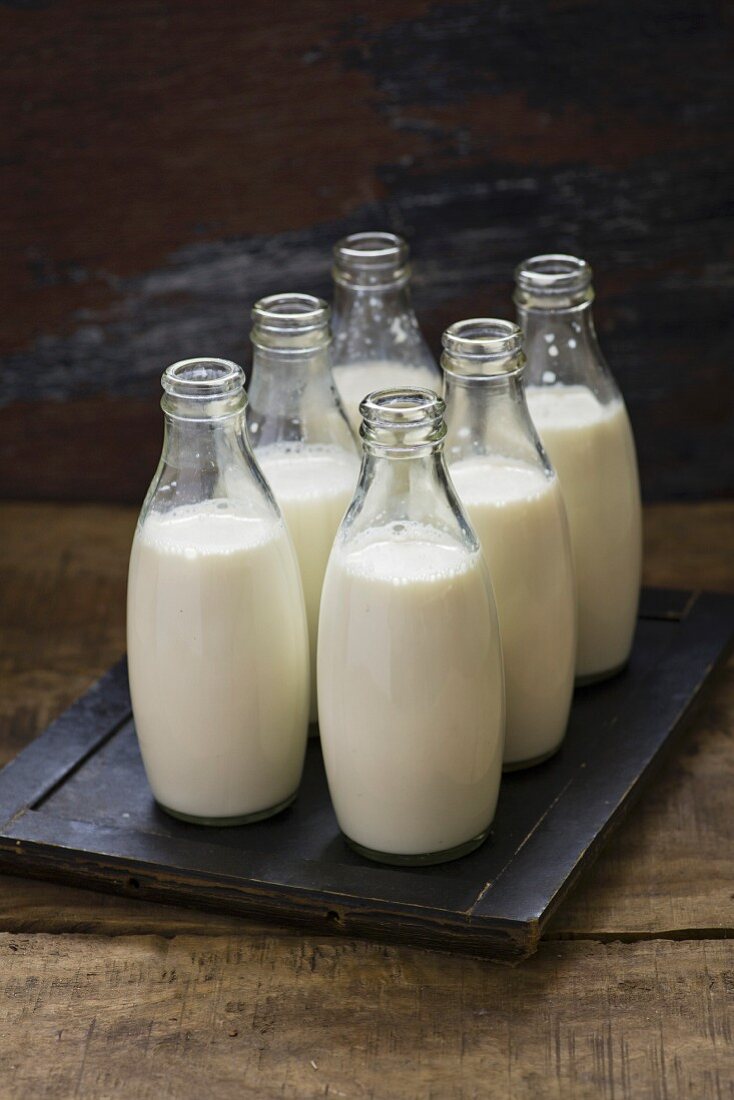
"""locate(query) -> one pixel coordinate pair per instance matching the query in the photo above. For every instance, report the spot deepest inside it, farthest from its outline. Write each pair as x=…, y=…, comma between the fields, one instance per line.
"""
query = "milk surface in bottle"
x=216, y=624
x=584, y=427
x=378, y=343
x=301, y=436
x=514, y=502
x=409, y=662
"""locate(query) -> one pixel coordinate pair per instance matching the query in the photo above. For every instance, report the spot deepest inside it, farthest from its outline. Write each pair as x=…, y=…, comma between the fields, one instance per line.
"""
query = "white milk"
x=218, y=660
x=313, y=486
x=593, y=452
x=355, y=380
x=410, y=691
x=517, y=512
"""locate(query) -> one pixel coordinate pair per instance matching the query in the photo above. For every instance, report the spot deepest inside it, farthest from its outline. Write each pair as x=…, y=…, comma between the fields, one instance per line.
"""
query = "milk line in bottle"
x=411, y=695
x=583, y=424
x=216, y=625
x=377, y=339
x=513, y=499
x=301, y=436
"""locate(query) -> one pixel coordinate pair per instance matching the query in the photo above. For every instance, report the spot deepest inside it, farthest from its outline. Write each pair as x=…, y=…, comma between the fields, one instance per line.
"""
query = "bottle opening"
x=556, y=278
x=203, y=378
x=399, y=421
x=285, y=313
x=291, y=323
x=371, y=259
x=483, y=346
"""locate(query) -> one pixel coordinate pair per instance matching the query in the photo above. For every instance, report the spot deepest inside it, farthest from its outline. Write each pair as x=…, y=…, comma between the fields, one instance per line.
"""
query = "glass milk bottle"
x=377, y=340
x=216, y=626
x=583, y=423
x=301, y=437
x=513, y=499
x=411, y=695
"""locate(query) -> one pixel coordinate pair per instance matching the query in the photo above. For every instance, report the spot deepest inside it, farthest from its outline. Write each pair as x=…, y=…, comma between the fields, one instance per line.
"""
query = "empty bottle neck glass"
x=206, y=461
x=553, y=295
x=292, y=393
x=486, y=412
x=377, y=340
x=372, y=307
x=206, y=452
x=403, y=478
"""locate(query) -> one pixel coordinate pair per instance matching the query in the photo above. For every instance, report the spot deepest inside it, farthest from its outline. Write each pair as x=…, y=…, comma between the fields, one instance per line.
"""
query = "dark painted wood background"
x=167, y=162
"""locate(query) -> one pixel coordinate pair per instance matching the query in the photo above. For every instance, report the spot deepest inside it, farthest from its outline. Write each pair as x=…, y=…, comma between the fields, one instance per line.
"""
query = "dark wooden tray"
x=75, y=806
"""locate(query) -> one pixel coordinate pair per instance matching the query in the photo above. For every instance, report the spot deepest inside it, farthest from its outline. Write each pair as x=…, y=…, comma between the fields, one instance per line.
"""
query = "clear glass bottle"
x=411, y=694
x=301, y=436
x=377, y=339
x=513, y=499
x=582, y=421
x=216, y=625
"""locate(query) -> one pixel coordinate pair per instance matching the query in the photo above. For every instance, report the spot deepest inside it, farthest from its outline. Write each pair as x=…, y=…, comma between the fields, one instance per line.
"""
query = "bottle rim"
x=402, y=407
x=554, y=275
x=375, y=249
x=483, y=347
x=374, y=260
x=403, y=422
x=290, y=313
x=203, y=377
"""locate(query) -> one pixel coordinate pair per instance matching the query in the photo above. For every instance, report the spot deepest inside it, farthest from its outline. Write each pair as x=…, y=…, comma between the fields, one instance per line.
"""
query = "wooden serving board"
x=75, y=806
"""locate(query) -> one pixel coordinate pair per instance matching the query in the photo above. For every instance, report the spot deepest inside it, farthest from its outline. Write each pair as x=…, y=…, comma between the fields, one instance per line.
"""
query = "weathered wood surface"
x=62, y=583
x=167, y=163
x=204, y=1004
x=241, y=1016
x=667, y=872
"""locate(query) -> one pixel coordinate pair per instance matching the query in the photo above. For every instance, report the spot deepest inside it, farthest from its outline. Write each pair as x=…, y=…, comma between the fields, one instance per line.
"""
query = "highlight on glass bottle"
x=513, y=499
x=411, y=693
x=301, y=436
x=377, y=338
x=216, y=625
x=583, y=423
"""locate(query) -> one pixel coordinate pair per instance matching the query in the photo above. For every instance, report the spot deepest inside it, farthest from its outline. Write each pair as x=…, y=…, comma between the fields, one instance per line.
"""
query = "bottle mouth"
x=554, y=280
x=290, y=322
x=402, y=421
x=203, y=378
x=371, y=259
x=483, y=347
x=290, y=312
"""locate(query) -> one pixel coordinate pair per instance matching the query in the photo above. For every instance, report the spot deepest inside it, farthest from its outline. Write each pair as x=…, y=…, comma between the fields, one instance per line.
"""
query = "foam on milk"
x=517, y=511
x=217, y=660
x=410, y=690
x=592, y=450
x=313, y=486
x=355, y=380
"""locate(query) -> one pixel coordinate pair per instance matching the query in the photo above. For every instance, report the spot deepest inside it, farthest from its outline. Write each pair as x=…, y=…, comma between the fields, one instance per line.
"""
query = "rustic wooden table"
x=630, y=995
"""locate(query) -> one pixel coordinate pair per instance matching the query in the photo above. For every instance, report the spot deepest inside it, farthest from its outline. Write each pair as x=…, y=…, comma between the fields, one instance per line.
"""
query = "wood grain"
x=152, y=196
x=241, y=1009
x=267, y=1017
x=668, y=870
x=62, y=607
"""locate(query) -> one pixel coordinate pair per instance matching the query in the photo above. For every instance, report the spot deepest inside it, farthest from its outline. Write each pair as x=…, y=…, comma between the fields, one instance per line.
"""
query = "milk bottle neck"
x=292, y=393
x=206, y=451
x=212, y=442
x=488, y=416
x=561, y=346
x=374, y=319
x=403, y=477
x=375, y=323
x=204, y=405
x=553, y=296
x=282, y=378
x=486, y=412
